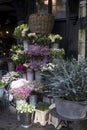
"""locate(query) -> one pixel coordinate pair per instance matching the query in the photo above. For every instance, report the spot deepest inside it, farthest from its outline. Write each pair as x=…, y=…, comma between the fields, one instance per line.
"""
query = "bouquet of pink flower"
x=21, y=89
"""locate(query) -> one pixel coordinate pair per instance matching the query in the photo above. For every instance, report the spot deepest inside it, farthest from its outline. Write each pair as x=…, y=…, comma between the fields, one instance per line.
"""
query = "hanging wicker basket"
x=41, y=23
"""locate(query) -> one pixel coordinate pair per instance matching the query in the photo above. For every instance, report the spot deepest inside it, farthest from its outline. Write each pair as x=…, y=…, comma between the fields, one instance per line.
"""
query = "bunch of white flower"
x=10, y=76
x=48, y=67
x=25, y=108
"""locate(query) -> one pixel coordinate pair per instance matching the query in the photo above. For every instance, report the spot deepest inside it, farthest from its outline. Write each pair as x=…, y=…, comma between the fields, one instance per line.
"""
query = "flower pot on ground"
x=69, y=82
x=26, y=119
x=42, y=114
x=71, y=109
x=26, y=114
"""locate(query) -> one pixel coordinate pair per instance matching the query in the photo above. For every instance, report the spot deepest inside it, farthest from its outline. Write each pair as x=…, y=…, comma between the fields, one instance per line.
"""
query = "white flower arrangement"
x=25, y=108
x=48, y=67
x=10, y=76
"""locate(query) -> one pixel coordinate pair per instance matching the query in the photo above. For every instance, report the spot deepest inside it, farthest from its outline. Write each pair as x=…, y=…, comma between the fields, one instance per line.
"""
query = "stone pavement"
x=8, y=121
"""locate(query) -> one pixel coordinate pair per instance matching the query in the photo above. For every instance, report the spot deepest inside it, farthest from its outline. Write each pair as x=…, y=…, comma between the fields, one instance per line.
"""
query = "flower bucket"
x=1, y=92
x=18, y=102
x=30, y=75
x=24, y=75
x=38, y=76
x=26, y=45
x=71, y=109
x=33, y=99
x=26, y=119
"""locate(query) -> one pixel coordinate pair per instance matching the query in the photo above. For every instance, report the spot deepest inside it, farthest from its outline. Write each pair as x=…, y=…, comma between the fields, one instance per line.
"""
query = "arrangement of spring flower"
x=20, y=31
x=57, y=53
x=38, y=56
x=21, y=89
x=31, y=37
x=48, y=67
x=19, y=57
x=10, y=76
x=38, y=86
x=25, y=108
x=54, y=38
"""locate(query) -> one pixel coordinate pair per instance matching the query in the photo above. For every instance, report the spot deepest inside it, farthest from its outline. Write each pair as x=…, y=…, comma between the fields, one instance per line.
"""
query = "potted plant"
x=68, y=85
x=26, y=114
x=42, y=113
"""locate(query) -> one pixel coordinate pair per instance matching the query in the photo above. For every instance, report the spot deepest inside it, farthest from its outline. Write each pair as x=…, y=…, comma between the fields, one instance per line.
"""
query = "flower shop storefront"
x=41, y=72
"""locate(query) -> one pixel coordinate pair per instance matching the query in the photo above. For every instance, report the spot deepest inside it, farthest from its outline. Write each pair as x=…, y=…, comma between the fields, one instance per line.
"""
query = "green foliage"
x=42, y=39
x=43, y=106
x=57, y=53
x=69, y=80
x=47, y=39
x=18, y=30
x=19, y=56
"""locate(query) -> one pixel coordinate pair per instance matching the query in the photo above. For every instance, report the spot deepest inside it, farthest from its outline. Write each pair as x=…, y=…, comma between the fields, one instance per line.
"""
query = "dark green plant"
x=69, y=80
x=43, y=106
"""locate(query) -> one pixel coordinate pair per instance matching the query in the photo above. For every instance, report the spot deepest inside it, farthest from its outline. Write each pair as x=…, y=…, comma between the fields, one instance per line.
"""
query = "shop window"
x=59, y=8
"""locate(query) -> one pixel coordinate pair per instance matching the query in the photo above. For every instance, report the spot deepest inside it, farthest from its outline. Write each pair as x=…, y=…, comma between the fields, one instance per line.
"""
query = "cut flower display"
x=10, y=76
x=38, y=56
x=48, y=68
x=21, y=89
x=25, y=108
x=20, y=31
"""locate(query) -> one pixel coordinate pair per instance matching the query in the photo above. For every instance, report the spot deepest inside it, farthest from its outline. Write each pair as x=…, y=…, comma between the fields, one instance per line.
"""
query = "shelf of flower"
x=32, y=56
x=30, y=59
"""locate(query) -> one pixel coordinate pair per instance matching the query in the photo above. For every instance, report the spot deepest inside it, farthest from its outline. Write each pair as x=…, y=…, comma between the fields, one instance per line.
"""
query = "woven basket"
x=41, y=23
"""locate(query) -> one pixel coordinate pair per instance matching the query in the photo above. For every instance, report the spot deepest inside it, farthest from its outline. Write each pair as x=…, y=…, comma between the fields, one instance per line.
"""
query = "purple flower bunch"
x=38, y=56
x=36, y=64
x=21, y=68
x=36, y=50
